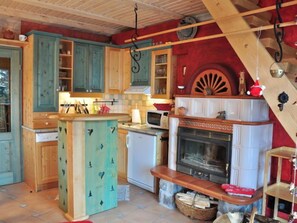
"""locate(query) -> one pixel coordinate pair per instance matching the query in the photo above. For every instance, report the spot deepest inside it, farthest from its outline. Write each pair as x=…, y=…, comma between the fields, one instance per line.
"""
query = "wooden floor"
x=203, y=186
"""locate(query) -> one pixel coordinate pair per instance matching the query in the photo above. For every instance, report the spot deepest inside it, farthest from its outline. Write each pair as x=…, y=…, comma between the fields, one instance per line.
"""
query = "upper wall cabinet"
x=163, y=73
x=45, y=73
x=88, y=75
x=40, y=79
x=113, y=70
x=143, y=77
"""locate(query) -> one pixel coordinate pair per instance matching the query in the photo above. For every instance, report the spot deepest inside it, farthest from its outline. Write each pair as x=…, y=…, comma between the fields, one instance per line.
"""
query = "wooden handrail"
x=251, y=12
x=285, y=24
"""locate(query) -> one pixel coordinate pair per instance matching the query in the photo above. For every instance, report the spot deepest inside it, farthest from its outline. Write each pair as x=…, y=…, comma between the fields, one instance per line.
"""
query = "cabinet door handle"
x=46, y=123
x=87, y=90
x=91, y=90
x=127, y=140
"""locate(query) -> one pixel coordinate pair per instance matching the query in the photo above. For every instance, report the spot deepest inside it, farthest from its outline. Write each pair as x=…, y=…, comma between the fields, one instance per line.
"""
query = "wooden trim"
x=206, y=125
x=13, y=43
x=219, y=96
x=214, y=121
x=203, y=186
x=251, y=12
x=220, y=35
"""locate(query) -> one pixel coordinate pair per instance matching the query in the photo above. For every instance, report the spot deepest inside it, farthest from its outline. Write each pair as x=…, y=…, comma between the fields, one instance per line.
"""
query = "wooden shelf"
x=280, y=190
x=282, y=152
x=15, y=43
x=202, y=186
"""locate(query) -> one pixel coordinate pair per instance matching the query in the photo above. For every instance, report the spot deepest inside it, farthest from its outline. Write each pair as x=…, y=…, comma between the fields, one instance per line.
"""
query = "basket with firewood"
x=196, y=206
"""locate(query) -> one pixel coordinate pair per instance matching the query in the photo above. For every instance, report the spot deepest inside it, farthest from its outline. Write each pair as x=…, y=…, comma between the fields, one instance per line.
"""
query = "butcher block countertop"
x=91, y=117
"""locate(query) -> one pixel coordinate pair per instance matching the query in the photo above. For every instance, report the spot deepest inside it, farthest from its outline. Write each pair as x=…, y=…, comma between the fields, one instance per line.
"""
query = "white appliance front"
x=141, y=158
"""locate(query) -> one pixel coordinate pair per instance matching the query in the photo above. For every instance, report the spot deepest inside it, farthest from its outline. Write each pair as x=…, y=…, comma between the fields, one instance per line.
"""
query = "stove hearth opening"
x=204, y=154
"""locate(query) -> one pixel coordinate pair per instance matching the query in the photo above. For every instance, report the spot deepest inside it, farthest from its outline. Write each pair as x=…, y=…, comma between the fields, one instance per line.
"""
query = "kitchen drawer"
x=45, y=124
x=43, y=115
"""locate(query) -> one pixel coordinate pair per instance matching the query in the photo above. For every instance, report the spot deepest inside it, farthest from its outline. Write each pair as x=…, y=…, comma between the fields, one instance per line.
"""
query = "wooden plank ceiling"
x=100, y=16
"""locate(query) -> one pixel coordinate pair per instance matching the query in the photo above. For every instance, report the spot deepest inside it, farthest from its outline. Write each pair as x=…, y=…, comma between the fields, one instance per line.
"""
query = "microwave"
x=157, y=119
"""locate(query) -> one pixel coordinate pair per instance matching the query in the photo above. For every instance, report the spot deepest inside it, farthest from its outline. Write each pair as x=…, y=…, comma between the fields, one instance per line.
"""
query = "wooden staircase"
x=245, y=45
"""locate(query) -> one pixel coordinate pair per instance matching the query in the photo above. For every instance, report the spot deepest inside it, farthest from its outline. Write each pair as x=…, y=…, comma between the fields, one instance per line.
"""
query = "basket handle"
x=193, y=203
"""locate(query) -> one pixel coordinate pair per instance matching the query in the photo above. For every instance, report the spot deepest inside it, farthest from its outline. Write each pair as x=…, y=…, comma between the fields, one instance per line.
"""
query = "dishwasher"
x=142, y=156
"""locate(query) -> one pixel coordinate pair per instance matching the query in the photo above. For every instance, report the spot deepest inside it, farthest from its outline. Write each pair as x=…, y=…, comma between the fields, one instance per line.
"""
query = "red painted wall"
x=28, y=26
x=219, y=51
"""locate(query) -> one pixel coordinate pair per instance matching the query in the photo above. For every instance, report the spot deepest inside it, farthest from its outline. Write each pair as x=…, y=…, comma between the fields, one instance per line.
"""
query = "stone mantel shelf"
x=203, y=186
x=220, y=96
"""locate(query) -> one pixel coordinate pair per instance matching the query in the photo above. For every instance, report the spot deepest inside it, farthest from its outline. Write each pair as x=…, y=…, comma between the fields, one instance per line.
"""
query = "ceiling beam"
x=23, y=15
x=157, y=9
x=76, y=12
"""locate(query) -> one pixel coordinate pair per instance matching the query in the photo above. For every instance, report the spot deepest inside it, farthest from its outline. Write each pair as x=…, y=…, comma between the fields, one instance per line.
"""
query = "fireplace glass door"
x=204, y=154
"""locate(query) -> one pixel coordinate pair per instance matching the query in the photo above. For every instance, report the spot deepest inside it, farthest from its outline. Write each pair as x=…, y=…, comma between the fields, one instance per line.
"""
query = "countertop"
x=142, y=128
x=92, y=117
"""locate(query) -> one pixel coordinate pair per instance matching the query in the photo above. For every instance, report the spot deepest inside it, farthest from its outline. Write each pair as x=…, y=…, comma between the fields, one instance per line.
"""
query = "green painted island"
x=87, y=163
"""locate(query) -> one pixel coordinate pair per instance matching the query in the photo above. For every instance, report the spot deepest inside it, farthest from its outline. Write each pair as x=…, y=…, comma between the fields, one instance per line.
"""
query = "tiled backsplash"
x=124, y=103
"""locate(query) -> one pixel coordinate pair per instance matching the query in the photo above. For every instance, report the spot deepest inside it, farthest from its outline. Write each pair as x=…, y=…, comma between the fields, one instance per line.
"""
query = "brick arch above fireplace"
x=213, y=79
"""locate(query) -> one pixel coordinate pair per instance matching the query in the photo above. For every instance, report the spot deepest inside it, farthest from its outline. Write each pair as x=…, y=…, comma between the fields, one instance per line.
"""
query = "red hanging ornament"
x=256, y=89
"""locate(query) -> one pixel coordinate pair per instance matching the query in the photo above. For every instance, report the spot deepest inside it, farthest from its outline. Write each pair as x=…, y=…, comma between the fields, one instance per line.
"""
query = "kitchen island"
x=87, y=163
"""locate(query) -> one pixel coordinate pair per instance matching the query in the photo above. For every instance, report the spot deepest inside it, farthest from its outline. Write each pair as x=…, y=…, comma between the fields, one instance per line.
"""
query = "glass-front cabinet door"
x=163, y=67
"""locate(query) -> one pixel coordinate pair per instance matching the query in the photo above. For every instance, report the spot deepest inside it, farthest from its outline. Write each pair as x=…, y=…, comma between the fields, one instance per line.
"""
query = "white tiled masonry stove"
x=250, y=129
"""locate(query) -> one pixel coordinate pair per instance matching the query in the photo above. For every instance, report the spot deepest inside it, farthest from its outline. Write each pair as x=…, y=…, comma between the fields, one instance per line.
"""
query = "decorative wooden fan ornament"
x=215, y=80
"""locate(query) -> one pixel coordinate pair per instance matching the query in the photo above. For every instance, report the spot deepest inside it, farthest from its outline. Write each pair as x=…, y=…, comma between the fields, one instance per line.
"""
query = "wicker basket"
x=194, y=212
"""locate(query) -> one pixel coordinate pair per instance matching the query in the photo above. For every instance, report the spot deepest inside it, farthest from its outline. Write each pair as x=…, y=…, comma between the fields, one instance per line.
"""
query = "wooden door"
x=80, y=71
x=47, y=163
x=46, y=57
x=10, y=118
x=96, y=69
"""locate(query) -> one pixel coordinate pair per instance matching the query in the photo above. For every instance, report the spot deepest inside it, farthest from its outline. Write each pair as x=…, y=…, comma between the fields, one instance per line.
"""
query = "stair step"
x=272, y=47
x=248, y=5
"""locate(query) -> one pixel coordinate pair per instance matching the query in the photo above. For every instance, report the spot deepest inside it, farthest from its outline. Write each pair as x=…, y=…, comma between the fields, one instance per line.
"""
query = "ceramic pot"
x=8, y=34
x=181, y=110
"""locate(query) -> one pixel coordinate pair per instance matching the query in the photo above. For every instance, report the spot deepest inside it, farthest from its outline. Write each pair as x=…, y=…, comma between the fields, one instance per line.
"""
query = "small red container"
x=163, y=107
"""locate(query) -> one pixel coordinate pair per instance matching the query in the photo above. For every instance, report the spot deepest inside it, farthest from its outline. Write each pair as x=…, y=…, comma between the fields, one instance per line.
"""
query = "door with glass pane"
x=10, y=115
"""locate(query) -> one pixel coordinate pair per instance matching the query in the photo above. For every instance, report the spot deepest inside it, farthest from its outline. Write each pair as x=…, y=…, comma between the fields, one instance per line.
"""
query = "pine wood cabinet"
x=122, y=154
x=88, y=75
x=114, y=70
x=163, y=68
x=40, y=162
x=40, y=80
x=278, y=190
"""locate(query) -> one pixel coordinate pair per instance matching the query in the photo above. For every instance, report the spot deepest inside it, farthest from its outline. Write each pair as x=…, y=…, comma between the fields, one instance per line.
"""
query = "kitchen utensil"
x=86, y=108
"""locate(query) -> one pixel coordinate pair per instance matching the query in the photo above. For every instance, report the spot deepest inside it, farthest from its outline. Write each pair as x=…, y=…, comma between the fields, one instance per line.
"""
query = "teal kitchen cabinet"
x=88, y=74
x=87, y=166
x=143, y=77
x=45, y=69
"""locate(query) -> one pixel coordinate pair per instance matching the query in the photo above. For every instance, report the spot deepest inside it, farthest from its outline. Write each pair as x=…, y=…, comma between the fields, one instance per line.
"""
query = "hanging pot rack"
x=285, y=24
x=251, y=12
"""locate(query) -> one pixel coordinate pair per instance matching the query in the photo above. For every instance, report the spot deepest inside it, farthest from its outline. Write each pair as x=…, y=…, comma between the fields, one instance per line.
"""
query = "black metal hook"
x=278, y=31
x=135, y=55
